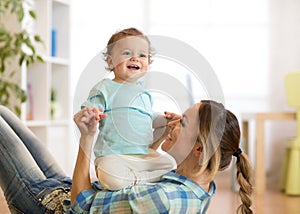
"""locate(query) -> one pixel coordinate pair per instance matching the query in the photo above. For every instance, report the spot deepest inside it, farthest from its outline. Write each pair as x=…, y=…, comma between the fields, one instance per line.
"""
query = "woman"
x=202, y=142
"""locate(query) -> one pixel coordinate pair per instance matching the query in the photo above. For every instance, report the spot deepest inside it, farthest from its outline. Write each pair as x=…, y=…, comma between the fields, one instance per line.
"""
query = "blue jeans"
x=27, y=170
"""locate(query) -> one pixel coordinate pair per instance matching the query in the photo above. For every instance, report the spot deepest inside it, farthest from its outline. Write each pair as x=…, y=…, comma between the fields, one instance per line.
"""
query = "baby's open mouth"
x=134, y=67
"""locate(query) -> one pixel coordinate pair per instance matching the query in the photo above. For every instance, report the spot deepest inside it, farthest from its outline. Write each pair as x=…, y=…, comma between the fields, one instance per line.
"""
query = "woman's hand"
x=166, y=129
x=170, y=117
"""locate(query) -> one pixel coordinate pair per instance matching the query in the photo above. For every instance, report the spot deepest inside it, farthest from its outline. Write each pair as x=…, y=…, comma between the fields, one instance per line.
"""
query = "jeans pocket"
x=44, y=192
x=53, y=199
x=67, y=180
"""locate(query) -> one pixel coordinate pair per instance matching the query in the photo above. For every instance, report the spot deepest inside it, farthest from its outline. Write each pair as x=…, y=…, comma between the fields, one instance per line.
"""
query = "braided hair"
x=219, y=133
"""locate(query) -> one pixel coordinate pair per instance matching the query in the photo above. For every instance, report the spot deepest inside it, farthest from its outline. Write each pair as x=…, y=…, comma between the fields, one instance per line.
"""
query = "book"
x=53, y=42
x=30, y=115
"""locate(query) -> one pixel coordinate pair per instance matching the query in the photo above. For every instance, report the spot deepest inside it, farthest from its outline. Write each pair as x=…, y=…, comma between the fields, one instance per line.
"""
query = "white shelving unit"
x=54, y=74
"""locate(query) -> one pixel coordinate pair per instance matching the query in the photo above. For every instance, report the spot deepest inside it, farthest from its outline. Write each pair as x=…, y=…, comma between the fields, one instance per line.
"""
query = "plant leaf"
x=37, y=38
x=20, y=15
x=40, y=59
x=17, y=110
x=12, y=47
x=32, y=14
x=21, y=60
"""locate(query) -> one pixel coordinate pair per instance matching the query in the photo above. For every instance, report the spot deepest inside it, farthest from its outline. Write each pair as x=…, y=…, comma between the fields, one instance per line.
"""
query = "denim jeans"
x=27, y=170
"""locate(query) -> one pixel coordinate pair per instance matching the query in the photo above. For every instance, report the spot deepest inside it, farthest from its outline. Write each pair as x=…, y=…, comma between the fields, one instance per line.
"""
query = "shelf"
x=56, y=60
x=65, y=2
x=54, y=74
x=35, y=123
x=42, y=79
x=60, y=23
x=46, y=123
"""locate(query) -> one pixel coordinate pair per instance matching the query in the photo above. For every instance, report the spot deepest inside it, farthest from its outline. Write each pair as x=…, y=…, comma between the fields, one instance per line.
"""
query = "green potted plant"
x=17, y=49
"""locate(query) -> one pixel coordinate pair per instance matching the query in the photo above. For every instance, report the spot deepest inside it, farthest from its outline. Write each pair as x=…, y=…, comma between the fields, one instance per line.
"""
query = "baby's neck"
x=133, y=82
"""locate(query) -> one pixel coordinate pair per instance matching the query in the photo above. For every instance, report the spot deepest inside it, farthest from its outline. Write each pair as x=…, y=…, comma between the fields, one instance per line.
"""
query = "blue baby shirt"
x=127, y=129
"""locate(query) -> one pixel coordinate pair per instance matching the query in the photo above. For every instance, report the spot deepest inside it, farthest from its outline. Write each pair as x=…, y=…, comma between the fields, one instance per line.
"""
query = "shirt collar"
x=198, y=190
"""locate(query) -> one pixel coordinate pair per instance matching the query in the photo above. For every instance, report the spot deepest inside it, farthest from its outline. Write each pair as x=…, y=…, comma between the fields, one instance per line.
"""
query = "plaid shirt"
x=174, y=194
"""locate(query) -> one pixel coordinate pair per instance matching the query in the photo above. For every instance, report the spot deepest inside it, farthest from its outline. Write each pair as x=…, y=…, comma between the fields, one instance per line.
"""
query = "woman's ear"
x=197, y=150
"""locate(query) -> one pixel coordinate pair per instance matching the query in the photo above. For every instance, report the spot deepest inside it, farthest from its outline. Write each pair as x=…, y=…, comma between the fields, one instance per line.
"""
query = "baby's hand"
x=98, y=114
x=92, y=114
x=87, y=119
x=172, y=116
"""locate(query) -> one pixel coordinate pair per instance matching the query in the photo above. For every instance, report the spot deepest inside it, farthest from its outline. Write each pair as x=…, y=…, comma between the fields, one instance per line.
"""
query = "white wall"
x=284, y=57
x=250, y=44
x=92, y=24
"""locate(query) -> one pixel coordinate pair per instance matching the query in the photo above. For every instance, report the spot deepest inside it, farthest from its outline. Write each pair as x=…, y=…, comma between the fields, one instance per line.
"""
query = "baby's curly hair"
x=123, y=34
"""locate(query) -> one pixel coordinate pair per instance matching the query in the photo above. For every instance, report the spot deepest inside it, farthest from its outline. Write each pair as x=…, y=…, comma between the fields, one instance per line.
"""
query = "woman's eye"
x=182, y=122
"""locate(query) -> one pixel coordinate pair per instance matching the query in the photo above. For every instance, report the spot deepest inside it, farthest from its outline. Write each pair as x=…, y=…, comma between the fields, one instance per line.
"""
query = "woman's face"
x=183, y=134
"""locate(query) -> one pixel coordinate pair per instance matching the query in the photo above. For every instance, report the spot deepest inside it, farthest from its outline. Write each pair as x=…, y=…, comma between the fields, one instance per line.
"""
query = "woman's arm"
x=86, y=120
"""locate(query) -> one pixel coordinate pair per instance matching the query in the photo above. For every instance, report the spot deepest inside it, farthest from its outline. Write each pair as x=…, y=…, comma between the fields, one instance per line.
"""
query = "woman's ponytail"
x=243, y=178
